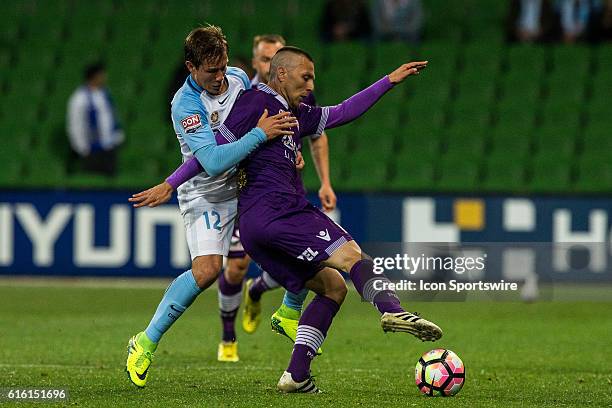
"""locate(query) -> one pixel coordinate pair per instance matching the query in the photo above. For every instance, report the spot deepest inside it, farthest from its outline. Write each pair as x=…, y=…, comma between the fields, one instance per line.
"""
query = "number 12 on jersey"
x=214, y=217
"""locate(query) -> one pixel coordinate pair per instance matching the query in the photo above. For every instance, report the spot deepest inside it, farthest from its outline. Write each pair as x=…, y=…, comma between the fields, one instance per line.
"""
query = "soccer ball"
x=439, y=372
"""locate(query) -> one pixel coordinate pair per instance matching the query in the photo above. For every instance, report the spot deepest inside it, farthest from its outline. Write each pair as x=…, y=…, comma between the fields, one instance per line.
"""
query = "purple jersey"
x=271, y=168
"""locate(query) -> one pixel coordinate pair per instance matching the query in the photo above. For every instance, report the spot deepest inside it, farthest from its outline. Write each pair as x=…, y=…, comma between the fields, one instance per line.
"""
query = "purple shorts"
x=289, y=238
x=236, y=250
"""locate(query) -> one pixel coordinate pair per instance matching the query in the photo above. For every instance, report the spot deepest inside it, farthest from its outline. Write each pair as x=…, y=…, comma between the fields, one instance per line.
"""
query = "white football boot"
x=286, y=385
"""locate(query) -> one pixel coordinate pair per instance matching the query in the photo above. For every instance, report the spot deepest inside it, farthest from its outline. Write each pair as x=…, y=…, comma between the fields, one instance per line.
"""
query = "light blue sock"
x=295, y=301
x=179, y=295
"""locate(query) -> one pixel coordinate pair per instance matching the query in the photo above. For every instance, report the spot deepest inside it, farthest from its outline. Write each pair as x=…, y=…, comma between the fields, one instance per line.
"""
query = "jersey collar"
x=194, y=84
x=265, y=88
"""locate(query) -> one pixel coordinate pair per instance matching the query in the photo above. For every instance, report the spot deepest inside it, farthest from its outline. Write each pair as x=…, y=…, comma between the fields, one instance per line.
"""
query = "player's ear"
x=281, y=73
x=190, y=66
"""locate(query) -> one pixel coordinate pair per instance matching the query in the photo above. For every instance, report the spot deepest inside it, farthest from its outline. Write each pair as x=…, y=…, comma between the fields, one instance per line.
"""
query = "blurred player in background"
x=208, y=202
x=297, y=244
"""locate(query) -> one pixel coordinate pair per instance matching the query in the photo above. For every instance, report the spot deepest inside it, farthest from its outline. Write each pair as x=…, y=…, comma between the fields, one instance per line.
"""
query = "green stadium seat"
x=442, y=56
x=594, y=175
x=563, y=112
x=528, y=59
x=572, y=60
x=598, y=137
x=555, y=140
x=466, y=140
x=366, y=174
x=458, y=173
x=376, y=142
x=45, y=170
x=136, y=168
x=508, y=140
x=411, y=173
x=504, y=173
x=566, y=89
x=550, y=174
x=87, y=181
x=420, y=139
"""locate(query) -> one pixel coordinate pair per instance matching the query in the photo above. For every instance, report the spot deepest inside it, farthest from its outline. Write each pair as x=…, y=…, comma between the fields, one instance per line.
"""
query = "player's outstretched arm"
x=358, y=104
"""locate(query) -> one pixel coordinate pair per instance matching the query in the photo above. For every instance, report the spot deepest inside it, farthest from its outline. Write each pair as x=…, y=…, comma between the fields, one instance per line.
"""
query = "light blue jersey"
x=195, y=114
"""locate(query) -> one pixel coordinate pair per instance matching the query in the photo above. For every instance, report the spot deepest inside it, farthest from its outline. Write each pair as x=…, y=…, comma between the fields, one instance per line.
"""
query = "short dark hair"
x=205, y=44
x=269, y=39
x=93, y=69
x=281, y=59
x=295, y=50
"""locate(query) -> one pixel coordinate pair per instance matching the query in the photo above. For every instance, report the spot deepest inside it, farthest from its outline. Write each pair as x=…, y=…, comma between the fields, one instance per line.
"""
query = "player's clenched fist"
x=276, y=125
x=404, y=71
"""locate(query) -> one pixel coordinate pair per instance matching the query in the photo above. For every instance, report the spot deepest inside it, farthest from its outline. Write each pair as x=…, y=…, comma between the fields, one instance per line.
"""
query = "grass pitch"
x=70, y=336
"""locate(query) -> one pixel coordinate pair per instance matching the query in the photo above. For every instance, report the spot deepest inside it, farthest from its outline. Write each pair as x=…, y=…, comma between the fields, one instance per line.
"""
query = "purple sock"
x=363, y=277
x=312, y=329
x=261, y=284
x=229, y=302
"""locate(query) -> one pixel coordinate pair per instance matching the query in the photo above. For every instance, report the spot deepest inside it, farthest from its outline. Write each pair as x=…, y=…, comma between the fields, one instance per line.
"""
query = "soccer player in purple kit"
x=284, y=321
x=293, y=241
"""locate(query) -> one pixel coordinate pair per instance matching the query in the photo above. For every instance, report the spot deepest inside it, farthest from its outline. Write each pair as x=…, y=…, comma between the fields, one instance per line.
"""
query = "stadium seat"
x=503, y=174
x=420, y=139
x=597, y=137
x=365, y=177
x=412, y=173
x=594, y=174
x=510, y=140
x=458, y=172
x=556, y=140
x=550, y=174
x=466, y=140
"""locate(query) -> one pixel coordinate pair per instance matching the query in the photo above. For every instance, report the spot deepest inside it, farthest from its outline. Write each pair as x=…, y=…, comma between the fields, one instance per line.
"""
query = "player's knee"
x=206, y=271
x=347, y=256
x=337, y=291
x=236, y=269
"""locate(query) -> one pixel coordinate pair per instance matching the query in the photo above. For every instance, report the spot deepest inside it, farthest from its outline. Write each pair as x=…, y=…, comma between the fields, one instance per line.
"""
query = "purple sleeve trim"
x=187, y=170
x=357, y=104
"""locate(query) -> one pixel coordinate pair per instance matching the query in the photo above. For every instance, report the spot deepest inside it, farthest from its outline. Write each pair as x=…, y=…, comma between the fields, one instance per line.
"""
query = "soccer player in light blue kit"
x=208, y=202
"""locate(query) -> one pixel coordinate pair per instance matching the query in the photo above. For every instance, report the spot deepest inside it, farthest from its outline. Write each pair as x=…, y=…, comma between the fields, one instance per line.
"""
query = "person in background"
x=345, y=20
x=574, y=17
x=92, y=124
x=532, y=21
x=397, y=20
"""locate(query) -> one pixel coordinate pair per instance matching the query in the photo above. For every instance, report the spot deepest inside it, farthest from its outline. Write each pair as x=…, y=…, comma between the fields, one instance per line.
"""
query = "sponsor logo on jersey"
x=191, y=123
x=308, y=254
x=324, y=235
x=214, y=118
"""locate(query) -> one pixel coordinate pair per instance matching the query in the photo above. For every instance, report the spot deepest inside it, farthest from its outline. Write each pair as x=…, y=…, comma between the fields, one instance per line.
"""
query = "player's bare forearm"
x=319, y=148
x=320, y=153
